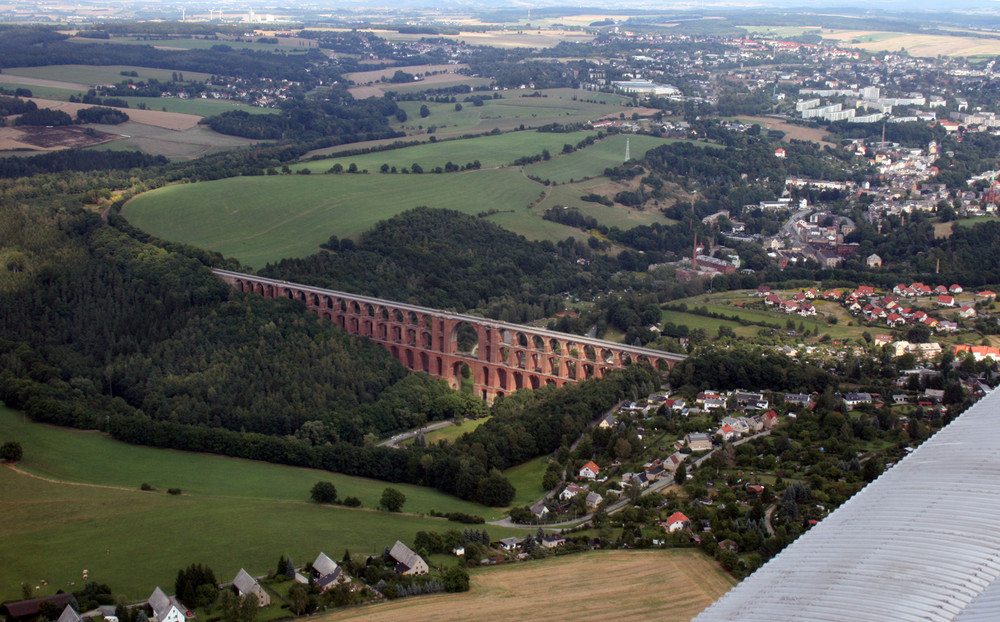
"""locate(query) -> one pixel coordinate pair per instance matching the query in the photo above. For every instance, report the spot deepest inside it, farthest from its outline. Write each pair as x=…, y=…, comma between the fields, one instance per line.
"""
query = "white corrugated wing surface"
x=922, y=542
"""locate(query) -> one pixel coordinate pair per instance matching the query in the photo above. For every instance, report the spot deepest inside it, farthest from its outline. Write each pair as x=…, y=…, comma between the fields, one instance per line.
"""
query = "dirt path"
x=64, y=483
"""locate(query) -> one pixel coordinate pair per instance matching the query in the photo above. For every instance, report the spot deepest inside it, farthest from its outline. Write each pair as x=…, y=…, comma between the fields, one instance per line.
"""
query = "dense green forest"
x=448, y=260
x=345, y=118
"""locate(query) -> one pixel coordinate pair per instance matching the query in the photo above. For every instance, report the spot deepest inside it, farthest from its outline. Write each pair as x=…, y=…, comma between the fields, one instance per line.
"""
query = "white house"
x=163, y=608
x=590, y=471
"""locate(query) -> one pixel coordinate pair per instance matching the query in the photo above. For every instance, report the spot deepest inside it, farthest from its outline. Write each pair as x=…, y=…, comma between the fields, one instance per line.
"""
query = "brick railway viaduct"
x=506, y=357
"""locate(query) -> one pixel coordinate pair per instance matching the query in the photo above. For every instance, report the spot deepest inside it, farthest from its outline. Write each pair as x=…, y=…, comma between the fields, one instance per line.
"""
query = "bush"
x=392, y=500
x=146, y=487
x=11, y=451
x=456, y=579
x=173, y=491
x=352, y=502
x=323, y=492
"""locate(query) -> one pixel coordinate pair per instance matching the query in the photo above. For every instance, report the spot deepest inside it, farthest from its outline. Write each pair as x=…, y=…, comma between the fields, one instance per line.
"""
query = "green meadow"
x=198, y=106
x=491, y=151
x=266, y=218
x=527, y=479
x=78, y=505
x=591, y=161
x=98, y=74
x=199, y=44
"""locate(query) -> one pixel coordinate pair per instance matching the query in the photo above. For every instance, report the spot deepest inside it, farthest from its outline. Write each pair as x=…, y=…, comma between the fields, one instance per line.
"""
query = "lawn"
x=47, y=92
x=568, y=195
x=98, y=74
x=491, y=151
x=262, y=219
x=527, y=479
x=667, y=585
x=452, y=432
x=232, y=513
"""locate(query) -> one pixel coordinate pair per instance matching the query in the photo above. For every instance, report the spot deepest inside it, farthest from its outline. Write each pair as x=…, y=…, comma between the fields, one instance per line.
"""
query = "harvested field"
x=168, y=120
x=49, y=138
x=672, y=584
x=917, y=44
x=53, y=84
x=798, y=132
x=367, y=77
x=500, y=39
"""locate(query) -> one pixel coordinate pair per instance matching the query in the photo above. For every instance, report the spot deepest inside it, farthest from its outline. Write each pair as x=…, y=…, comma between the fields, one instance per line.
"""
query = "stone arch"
x=411, y=318
x=354, y=307
x=396, y=333
x=381, y=331
x=425, y=362
x=411, y=336
x=589, y=353
x=626, y=359
x=408, y=356
x=352, y=325
x=314, y=299
x=463, y=339
x=426, y=340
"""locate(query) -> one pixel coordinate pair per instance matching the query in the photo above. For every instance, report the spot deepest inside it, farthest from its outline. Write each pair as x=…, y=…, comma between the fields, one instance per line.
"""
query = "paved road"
x=767, y=519
x=397, y=440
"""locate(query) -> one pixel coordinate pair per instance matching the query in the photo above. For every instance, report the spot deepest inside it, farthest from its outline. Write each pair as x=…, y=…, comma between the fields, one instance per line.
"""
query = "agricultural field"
x=97, y=74
x=792, y=131
x=174, y=144
x=252, y=218
x=452, y=432
x=27, y=138
x=672, y=584
x=491, y=151
x=44, y=89
x=200, y=107
x=166, y=120
x=174, y=43
x=499, y=38
x=568, y=195
x=76, y=493
x=591, y=161
x=917, y=44
x=514, y=109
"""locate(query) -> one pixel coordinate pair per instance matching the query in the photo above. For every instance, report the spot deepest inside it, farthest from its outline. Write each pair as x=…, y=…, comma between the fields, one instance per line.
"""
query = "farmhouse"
x=327, y=572
x=244, y=584
x=69, y=615
x=164, y=609
x=407, y=562
x=28, y=609
x=677, y=521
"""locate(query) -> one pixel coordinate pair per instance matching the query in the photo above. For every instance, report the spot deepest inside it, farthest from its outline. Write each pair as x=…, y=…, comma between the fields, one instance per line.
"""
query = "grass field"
x=262, y=219
x=200, y=107
x=666, y=585
x=527, y=479
x=197, y=44
x=620, y=216
x=79, y=506
x=491, y=151
x=591, y=161
x=98, y=74
x=452, y=432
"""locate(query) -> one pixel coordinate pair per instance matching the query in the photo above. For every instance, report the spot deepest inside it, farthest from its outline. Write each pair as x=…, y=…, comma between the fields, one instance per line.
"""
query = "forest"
x=346, y=119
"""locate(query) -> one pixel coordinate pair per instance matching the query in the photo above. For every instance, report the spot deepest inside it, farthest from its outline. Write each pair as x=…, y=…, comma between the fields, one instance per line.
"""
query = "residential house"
x=407, y=562
x=607, y=422
x=553, y=541
x=986, y=294
x=770, y=419
x=967, y=313
x=326, y=572
x=979, y=352
x=69, y=615
x=540, y=510
x=698, y=441
x=163, y=608
x=571, y=491
x=955, y=289
x=726, y=433
x=244, y=585
x=945, y=301
x=510, y=544
x=24, y=610
x=593, y=500
x=874, y=261
x=677, y=521
x=714, y=403
x=801, y=400
x=590, y=471
x=854, y=399
x=675, y=460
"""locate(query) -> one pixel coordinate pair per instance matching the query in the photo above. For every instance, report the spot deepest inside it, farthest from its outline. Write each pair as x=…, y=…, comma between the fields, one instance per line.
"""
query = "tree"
x=323, y=492
x=249, y=606
x=495, y=490
x=456, y=579
x=680, y=476
x=392, y=500
x=424, y=111
x=11, y=451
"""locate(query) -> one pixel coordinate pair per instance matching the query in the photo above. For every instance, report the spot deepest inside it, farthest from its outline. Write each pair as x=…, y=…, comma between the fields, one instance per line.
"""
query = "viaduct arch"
x=502, y=357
